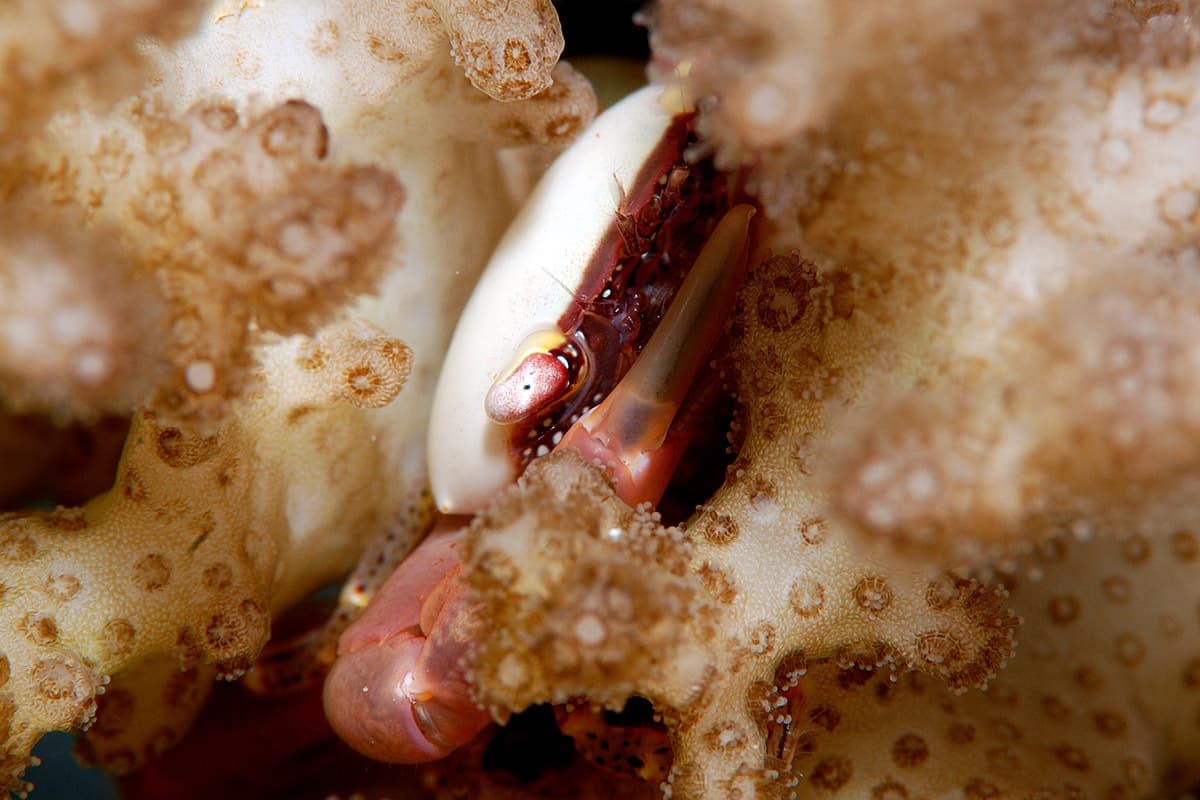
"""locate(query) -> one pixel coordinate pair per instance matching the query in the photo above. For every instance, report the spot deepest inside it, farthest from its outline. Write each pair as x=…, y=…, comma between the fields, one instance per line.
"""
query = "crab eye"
x=538, y=380
x=538, y=375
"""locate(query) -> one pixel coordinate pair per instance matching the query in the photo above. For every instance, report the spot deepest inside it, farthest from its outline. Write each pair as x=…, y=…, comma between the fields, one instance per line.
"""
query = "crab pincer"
x=629, y=432
x=397, y=691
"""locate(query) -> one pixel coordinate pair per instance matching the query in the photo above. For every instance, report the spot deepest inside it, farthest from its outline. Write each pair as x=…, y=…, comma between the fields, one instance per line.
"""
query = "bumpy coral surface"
x=975, y=332
x=955, y=551
x=49, y=49
x=194, y=256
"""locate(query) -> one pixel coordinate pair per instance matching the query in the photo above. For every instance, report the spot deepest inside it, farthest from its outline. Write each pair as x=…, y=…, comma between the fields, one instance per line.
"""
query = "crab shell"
x=532, y=280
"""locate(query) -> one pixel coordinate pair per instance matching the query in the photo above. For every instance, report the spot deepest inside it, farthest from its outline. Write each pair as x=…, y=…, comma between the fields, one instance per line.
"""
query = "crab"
x=608, y=335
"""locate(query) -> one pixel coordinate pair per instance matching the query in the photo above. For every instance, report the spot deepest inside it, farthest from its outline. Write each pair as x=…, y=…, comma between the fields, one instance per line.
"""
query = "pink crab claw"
x=397, y=691
x=629, y=430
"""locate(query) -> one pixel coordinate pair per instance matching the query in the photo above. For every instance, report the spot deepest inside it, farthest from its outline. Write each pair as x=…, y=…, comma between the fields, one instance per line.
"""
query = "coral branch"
x=507, y=49
x=48, y=49
x=228, y=223
x=209, y=540
x=1073, y=714
x=550, y=562
x=1078, y=418
x=143, y=712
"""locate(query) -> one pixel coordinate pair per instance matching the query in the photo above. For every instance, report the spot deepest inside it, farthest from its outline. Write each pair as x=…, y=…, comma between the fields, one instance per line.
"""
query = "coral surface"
x=193, y=256
x=955, y=551
x=966, y=380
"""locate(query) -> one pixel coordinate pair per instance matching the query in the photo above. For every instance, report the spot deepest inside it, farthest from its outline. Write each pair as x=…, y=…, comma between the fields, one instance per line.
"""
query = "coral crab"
x=610, y=321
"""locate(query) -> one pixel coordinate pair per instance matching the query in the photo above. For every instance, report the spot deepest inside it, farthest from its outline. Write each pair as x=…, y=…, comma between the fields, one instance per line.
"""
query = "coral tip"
x=539, y=379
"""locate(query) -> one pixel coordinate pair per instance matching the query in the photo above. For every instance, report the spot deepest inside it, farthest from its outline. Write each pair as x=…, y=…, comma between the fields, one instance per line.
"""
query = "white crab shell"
x=527, y=286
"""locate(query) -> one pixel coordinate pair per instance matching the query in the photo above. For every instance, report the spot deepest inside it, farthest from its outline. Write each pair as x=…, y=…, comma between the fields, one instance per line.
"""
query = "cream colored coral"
x=1098, y=702
x=50, y=49
x=229, y=224
x=215, y=532
x=984, y=198
x=506, y=49
x=987, y=212
x=143, y=712
x=582, y=596
x=976, y=328
x=383, y=71
x=238, y=213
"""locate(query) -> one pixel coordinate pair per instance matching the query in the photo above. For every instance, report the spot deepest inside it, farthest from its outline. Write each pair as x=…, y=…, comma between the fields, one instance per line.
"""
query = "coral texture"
x=971, y=356
x=196, y=255
x=955, y=553
x=48, y=50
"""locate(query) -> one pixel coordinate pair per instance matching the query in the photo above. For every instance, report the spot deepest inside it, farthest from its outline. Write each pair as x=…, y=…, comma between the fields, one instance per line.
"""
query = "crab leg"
x=397, y=691
x=627, y=431
x=303, y=661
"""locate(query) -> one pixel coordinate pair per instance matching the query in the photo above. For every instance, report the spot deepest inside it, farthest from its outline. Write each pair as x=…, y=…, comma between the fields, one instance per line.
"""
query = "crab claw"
x=629, y=430
x=396, y=691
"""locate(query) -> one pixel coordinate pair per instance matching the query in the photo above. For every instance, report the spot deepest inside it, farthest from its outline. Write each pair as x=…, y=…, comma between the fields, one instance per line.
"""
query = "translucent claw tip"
x=628, y=430
x=638, y=413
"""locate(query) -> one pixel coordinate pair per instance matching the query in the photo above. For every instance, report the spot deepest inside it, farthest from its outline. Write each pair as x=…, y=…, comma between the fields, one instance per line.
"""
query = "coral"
x=49, y=51
x=145, y=711
x=966, y=326
x=976, y=332
x=197, y=256
x=227, y=222
x=550, y=560
x=1073, y=715
x=505, y=49
x=964, y=378
x=210, y=541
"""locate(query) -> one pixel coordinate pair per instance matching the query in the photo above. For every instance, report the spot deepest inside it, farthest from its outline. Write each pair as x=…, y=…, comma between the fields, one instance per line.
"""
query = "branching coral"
x=1044, y=181
x=232, y=222
x=964, y=376
x=215, y=532
x=1099, y=702
x=212, y=215
x=144, y=712
x=977, y=330
x=567, y=617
